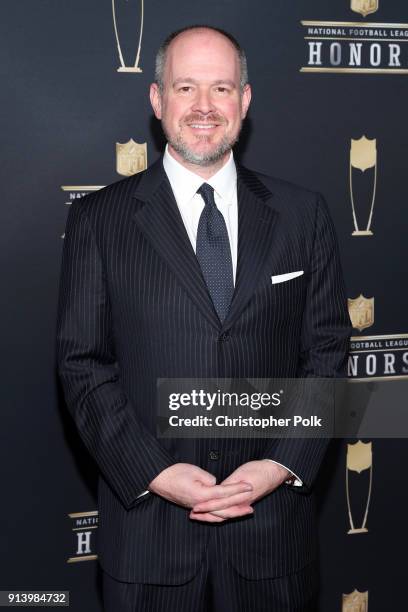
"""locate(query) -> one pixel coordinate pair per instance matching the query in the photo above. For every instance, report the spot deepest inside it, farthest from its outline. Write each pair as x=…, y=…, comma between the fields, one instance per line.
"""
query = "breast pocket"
x=287, y=276
x=281, y=296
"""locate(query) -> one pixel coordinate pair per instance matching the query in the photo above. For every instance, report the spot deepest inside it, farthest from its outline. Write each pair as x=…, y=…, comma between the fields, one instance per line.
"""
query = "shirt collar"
x=185, y=183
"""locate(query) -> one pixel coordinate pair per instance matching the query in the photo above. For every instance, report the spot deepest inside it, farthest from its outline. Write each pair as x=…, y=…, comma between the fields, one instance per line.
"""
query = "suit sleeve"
x=127, y=454
x=324, y=344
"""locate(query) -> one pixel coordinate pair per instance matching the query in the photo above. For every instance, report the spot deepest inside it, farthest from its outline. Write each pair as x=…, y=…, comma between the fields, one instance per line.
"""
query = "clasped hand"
x=190, y=486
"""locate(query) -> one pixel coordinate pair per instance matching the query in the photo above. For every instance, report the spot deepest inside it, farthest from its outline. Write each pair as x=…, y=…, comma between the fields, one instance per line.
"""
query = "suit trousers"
x=217, y=587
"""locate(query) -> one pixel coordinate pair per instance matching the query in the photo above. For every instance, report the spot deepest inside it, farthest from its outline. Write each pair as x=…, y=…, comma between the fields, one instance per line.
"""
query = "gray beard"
x=200, y=159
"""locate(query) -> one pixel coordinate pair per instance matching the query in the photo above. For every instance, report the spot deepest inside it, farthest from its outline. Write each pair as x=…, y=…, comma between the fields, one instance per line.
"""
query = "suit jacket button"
x=224, y=337
x=214, y=455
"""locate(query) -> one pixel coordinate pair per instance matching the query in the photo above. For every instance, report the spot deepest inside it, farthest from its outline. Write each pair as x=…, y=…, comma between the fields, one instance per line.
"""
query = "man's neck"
x=205, y=172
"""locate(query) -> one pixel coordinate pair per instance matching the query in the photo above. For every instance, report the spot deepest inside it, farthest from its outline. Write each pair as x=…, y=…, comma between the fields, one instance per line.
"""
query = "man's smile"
x=198, y=126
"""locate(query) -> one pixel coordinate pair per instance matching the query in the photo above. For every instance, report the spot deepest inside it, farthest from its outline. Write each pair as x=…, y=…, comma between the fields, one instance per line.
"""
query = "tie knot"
x=207, y=193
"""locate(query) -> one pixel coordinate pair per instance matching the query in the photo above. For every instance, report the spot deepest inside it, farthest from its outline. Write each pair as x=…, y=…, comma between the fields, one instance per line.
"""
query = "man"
x=167, y=274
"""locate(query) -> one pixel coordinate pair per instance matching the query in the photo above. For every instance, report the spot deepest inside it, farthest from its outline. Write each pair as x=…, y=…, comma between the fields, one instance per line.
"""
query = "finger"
x=223, y=491
x=232, y=479
x=234, y=511
x=221, y=504
x=206, y=478
x=206, y=517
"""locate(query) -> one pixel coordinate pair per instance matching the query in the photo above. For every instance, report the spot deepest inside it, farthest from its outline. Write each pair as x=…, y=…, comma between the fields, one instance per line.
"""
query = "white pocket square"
x=281, y=278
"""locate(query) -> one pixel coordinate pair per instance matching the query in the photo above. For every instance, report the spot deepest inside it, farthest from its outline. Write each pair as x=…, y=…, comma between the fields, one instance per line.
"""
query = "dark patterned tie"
x=214, y=253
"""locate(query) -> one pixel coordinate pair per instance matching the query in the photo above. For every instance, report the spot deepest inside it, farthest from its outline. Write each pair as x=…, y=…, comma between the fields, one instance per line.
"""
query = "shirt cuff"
x=296, y=482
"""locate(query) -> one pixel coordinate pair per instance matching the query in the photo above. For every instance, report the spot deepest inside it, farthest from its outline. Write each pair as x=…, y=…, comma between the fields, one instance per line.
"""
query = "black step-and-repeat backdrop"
x=330, y=82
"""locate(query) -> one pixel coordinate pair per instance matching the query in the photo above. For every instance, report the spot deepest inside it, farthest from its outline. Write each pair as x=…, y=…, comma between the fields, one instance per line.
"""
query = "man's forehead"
x=202, y=49
x=200, y=33
x=204, y=41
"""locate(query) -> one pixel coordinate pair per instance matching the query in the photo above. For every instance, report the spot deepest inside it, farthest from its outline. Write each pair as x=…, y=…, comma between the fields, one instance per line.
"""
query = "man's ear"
x=155, y=100
x=246, y=100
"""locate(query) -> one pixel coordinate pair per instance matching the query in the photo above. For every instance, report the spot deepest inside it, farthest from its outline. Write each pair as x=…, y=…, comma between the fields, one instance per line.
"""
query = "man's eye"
x=221, y=89
x=185, y=88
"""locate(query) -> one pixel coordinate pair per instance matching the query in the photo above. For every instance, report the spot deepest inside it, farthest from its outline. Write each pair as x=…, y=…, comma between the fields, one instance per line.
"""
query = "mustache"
x=210, y=118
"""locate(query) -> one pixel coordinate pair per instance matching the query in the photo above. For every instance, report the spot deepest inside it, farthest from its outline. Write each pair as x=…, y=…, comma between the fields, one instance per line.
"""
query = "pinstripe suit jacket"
x=133, y=307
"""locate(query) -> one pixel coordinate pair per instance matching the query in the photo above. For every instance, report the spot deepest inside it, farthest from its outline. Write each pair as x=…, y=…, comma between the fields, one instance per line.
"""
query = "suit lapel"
x=159, y=219
x=256, y=222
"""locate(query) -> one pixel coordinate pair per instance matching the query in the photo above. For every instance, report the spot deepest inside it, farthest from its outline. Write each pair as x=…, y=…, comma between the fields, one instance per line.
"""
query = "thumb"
x=206, y=478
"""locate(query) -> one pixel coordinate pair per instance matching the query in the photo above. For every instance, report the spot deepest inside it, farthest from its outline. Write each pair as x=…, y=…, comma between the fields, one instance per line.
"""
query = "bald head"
x=201, y=33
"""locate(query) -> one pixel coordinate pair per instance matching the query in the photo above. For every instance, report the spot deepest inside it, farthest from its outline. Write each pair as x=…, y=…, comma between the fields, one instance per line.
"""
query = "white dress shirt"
x=184, y=184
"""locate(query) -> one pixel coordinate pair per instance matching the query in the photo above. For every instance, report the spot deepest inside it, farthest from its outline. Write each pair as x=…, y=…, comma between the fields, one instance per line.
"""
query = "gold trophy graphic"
x=123, y=67
x=355, y=601
x=363, y=155
x=359, y=458
x=364, y=7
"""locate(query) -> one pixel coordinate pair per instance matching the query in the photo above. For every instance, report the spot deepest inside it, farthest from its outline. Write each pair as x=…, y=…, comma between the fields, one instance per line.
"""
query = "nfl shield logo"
x=364, y=7
x=361, y=311
x=359, y=456
x=131, y=157
x=363, y=153
x=355, y=602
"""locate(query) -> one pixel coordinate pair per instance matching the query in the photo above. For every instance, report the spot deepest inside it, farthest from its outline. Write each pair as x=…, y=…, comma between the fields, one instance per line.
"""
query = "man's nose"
x=203, y=102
